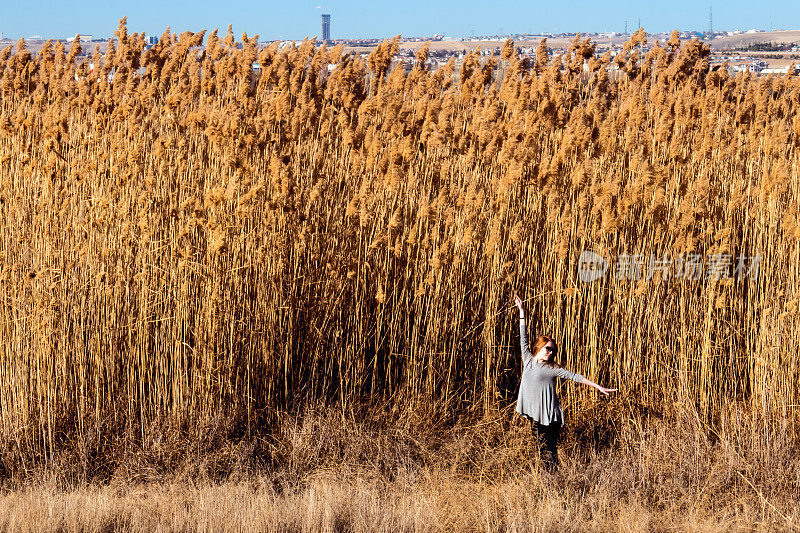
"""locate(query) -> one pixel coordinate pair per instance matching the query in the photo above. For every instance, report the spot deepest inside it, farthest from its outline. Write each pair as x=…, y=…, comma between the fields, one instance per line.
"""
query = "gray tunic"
x=537, y=392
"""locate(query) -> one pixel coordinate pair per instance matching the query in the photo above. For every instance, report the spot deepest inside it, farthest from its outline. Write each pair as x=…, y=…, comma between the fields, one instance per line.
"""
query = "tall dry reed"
x=182, y=236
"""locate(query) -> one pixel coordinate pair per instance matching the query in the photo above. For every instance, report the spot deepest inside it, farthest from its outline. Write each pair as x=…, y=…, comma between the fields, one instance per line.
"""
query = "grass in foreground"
x=326, y=472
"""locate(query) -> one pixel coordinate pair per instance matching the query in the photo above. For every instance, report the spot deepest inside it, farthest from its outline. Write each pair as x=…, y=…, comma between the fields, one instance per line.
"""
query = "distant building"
x=784, y=70
x=326, y=27
x=82, y=38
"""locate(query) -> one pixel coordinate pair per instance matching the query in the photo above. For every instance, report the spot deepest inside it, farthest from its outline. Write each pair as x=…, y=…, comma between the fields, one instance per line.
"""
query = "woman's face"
x=546, y=353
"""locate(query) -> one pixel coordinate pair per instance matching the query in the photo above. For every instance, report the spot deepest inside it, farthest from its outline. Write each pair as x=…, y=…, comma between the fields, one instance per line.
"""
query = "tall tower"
x=326, y=27
x=710, y=24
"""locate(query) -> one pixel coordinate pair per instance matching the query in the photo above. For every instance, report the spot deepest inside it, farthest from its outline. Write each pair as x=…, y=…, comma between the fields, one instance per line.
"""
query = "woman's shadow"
x=599, y=428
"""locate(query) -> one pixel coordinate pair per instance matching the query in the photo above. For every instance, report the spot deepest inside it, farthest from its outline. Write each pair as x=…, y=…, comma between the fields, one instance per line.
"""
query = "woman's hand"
x=605, y=390
x=518, y=303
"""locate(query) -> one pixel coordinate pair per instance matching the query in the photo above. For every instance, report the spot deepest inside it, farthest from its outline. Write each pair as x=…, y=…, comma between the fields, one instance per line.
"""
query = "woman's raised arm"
x=523, y=332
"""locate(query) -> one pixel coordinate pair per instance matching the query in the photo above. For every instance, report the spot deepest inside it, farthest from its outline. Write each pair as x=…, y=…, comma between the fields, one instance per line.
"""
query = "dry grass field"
x=193, y=253
x=778, y=37
x=370, y=472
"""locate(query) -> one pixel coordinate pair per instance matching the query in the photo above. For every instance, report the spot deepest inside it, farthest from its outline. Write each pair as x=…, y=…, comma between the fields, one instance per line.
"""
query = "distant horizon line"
x=440, y=36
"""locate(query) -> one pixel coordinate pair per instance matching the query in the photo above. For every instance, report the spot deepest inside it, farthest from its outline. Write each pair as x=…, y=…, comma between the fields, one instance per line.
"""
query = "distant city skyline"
x=411, y=18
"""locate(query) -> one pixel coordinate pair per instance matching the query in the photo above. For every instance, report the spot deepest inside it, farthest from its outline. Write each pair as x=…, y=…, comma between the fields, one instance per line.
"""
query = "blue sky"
x=295, y=19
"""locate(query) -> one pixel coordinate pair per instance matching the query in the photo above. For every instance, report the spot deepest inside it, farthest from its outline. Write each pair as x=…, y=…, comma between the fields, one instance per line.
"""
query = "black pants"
x=547, y=436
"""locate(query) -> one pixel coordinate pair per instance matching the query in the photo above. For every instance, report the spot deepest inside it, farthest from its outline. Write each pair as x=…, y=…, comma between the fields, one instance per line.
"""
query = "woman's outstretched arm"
x=558, y=371
x=591, y=383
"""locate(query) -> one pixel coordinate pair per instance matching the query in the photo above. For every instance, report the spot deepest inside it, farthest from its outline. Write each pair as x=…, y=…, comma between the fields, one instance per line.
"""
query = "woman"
x=537, y=399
